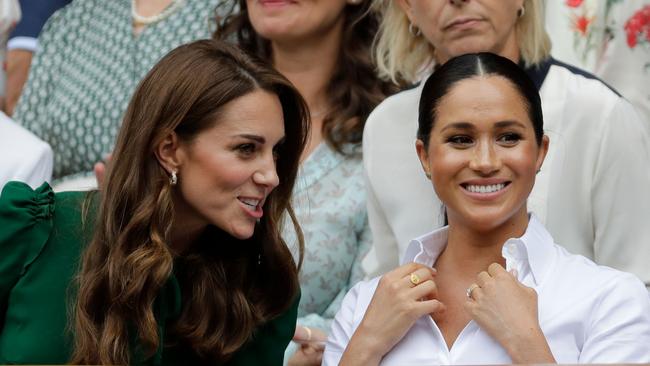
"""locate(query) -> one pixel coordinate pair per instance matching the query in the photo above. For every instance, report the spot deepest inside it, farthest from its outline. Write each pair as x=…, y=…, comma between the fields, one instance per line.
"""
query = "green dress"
x=42, y=235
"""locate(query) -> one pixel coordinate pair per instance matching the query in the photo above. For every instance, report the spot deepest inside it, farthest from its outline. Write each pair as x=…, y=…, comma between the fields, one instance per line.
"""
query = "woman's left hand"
x=507, y=310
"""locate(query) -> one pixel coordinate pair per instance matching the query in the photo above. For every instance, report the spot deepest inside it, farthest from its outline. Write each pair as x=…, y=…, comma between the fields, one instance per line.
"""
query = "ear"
x=424, y=157
x=406, y=7
x=168, y=152
x=541, y=155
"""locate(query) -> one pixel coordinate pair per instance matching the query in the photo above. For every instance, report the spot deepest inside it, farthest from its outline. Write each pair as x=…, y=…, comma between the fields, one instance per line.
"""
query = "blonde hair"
x=401, y=57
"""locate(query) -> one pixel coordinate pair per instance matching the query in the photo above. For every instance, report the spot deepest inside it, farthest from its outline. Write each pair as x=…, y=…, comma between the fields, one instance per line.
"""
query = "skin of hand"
x=312, y=345
x=395, y=306
x=100, y=170
x=507, y=310
x=18, y=63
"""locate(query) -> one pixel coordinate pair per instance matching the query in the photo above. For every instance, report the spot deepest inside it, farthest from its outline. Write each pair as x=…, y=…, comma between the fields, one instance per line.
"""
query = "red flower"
x=638, y=26
x=573, y=3
x=581, y=24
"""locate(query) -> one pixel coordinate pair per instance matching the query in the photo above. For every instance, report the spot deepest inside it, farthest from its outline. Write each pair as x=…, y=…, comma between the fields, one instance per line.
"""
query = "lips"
x=459, y=22
x=485, y=189
x=252, y=206
x=274, y=3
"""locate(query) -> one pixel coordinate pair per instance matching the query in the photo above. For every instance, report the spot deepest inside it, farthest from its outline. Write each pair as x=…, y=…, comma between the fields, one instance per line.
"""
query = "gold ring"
x=415, y=279
x=471, y=288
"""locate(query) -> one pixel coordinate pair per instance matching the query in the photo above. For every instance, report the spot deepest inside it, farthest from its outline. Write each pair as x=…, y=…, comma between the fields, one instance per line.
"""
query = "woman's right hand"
x=402, y=296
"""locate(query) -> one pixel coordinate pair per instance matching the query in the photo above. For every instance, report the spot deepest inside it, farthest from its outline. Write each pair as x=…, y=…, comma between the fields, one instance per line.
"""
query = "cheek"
x=427, y=17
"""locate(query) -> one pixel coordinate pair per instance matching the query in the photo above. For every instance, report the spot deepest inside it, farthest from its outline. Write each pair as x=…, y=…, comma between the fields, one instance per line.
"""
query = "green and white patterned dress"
x=88, y=65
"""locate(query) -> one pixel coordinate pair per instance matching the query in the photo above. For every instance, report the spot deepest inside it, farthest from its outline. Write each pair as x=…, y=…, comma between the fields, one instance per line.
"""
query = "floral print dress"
x=330, y=203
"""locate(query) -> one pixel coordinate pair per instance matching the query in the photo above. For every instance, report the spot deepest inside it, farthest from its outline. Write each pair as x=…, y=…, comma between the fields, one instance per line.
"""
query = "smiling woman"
x=502, y=291
x=179, y=259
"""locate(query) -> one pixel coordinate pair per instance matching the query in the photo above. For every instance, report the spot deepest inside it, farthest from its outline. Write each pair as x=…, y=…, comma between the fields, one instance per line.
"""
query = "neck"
x=310, y=65
x=186, y=228
x=148, y=8
x=470, y=251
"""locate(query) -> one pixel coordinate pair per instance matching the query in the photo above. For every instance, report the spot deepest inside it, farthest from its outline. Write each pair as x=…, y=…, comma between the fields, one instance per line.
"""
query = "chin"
x=243, y=234
x=242, y=231
x=482, y=220
x=471, y=44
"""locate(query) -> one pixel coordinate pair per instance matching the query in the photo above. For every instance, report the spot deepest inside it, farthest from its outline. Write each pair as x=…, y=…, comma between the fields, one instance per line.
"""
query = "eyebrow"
x=470, y=126
x=255, y=138
x=503, y=124
x=459, y=126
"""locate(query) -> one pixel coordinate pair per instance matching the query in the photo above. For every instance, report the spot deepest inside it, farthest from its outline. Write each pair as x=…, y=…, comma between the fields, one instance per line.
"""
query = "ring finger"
x=417, y=277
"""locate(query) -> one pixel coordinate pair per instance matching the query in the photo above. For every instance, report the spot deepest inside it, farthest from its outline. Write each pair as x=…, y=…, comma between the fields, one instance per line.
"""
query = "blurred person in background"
x=90, y=58
x=23, y=43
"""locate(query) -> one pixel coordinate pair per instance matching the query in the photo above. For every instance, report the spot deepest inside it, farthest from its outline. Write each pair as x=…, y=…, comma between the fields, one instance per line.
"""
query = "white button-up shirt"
x=588, y=313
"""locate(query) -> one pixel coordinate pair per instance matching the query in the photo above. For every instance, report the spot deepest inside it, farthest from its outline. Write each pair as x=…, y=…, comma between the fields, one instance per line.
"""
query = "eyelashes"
x=506, y=139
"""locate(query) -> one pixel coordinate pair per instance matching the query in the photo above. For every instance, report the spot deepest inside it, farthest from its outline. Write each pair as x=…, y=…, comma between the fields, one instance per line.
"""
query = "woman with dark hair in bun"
x=492, y=287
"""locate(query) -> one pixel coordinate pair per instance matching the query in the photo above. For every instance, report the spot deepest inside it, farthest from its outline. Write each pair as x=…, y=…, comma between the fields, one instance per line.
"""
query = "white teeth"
x=485, y=189
x=250, y=202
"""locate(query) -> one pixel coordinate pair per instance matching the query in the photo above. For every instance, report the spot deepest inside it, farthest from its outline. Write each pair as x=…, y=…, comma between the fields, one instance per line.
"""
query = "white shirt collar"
x=533, y=251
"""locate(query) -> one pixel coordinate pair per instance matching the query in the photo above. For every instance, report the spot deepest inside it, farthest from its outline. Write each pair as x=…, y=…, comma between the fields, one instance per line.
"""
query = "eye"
x=276, y=152
x=246, y=150
x=460, y=140
x=509, y=138
x=278, y=149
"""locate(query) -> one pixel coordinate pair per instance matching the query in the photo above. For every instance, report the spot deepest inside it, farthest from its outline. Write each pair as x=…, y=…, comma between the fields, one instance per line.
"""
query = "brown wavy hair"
x=354, y=90
x=229, y=287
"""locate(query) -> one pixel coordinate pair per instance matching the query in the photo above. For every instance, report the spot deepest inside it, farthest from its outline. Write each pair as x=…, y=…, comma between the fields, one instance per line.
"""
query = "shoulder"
x=577, y=84
x=392, y=124
x=22, y=206
x=583, y=280
x=394, y=109
x=356, y=301
x=574, y=97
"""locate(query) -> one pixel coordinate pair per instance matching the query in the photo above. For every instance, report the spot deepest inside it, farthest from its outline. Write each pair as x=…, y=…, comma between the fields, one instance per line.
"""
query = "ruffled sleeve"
x=25, y=226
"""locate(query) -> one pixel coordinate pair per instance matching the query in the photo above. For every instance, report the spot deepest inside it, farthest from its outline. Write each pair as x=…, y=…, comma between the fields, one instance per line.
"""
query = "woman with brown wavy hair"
x=179, y=258
x=323, y=48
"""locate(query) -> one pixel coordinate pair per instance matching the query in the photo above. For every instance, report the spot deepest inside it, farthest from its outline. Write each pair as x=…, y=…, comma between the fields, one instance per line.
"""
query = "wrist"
x=362, y=350
x=530, y=347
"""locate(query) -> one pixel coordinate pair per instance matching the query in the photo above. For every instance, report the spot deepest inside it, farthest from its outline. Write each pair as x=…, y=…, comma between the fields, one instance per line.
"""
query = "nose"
x=267, y=174
x=485, y=159
x=457, y=2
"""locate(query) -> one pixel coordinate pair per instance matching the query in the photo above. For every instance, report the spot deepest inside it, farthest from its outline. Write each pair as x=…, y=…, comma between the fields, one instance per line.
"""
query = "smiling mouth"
x=250, y=202
x=487, y=188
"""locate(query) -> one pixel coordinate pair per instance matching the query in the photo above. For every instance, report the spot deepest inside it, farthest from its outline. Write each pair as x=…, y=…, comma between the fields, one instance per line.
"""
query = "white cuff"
x=23, y=43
